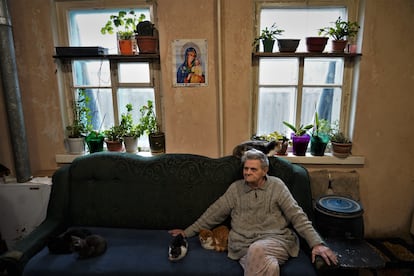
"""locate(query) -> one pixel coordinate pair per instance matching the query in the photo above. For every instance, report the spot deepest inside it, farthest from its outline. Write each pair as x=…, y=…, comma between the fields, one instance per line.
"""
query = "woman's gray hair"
x=254, y=154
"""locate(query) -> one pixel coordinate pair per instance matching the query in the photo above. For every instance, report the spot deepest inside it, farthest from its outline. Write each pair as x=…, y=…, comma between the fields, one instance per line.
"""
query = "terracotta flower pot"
x=147, y=44
x=316, y=44
x=114, y=145
x=341, y=150
x=125, y=47
x=338, y=46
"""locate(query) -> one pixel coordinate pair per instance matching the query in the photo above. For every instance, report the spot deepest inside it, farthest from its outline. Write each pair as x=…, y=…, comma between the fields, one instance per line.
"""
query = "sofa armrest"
x=14, y=260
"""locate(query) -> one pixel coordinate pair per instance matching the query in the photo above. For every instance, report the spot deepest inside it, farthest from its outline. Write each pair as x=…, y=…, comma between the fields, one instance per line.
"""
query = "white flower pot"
x=76, y=145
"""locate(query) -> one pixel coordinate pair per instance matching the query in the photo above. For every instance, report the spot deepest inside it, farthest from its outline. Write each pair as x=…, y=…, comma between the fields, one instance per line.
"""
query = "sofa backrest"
x=160, y=192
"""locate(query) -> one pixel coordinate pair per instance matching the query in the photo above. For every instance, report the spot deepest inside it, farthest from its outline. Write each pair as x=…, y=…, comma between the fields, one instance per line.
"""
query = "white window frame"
x=350, y=64
x=65, y=76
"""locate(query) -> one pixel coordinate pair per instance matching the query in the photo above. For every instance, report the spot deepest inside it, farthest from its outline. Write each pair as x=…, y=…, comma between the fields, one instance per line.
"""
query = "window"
x=293, y=88
x=110, y=83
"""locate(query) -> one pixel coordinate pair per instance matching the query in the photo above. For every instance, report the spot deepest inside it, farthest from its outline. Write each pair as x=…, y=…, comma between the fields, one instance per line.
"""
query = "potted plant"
x=320, y=136
x=339, y=32
x=95, y=141
x=300, y=138
x=123, y=24
x=341, y=144
x=283, y=142
x=113, y=138
x=316, y=44
x=81, y=123
x=287, y=45
x=131, y=131
x=268, y=37
x=146, y=37
x=149, y=125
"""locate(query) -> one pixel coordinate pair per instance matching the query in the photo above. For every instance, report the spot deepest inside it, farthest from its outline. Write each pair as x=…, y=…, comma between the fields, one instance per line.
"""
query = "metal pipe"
x=12, y=98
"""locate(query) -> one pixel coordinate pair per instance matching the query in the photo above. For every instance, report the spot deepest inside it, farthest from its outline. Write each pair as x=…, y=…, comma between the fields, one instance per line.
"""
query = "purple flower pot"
x=300, y=144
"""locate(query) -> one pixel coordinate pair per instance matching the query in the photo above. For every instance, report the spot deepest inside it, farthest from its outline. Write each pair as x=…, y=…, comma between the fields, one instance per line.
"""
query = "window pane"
x=133, y=72
x=91, y=73
x=137, y=97
x=275, y=106
x=85, y=27
x=323, y=71
x=300, y=23
x=327, y=101
x=101, y=108
x=278, y=71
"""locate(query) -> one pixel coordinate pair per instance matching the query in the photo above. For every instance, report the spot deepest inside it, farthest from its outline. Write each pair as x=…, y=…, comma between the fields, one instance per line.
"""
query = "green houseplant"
x=146, y=37
x=268, y=37
x=123, y=24
x=341, y=144
x=81, y=123
x=149, y=125
x=113, y=138
x=95, y=141
x=319, y=136
x=339, y=32
x=131, y=131
x=300, y=138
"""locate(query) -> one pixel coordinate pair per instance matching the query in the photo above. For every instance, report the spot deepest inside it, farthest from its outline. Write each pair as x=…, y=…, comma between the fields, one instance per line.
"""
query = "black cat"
x=91, y=246
x=62, y=244
x=4, y=171
x=178, y=248
x=268, y=148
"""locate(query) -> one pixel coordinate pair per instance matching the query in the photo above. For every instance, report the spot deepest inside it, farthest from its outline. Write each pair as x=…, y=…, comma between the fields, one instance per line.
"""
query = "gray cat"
x=91, y=246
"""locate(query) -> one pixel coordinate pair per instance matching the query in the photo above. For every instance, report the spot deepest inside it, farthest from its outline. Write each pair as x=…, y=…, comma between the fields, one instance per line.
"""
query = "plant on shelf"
x=81, y=118
x=268, y=37
x=149, y=125
x=113, y=138
x=300, y=131
x=95, y=141
x=341, y=144
x=123, y=24
x=281, y=140
x=127, y=123
x=300, y=138
x=146, y=37
x=131, y=131
x=340, y=32
x=81, y=123
x=319, y=136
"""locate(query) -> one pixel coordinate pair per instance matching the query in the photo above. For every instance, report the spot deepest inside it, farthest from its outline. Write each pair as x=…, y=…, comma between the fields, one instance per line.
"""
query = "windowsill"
x=306, y=54
x=327, y=159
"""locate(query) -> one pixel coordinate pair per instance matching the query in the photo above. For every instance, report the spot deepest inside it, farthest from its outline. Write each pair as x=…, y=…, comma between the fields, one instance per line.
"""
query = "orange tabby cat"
x=215, y=239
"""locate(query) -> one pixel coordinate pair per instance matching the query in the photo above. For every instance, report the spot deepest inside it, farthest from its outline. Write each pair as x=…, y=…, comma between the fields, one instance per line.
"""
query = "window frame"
x=65, y=74
x=351, y=63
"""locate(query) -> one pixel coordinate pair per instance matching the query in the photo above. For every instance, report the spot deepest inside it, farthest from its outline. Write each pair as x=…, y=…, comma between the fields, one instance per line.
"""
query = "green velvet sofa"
x=133, y=201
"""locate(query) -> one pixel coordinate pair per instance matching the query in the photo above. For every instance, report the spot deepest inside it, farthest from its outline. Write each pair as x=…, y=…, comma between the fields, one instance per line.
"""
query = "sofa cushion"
x=145, y=252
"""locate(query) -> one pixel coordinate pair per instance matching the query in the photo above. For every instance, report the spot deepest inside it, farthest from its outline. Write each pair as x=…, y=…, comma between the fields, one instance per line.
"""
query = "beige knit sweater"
x=258, y=213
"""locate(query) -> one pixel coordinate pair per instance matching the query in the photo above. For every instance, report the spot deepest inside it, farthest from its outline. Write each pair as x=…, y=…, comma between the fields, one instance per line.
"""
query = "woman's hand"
x=326, y=253
x=176, y=232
